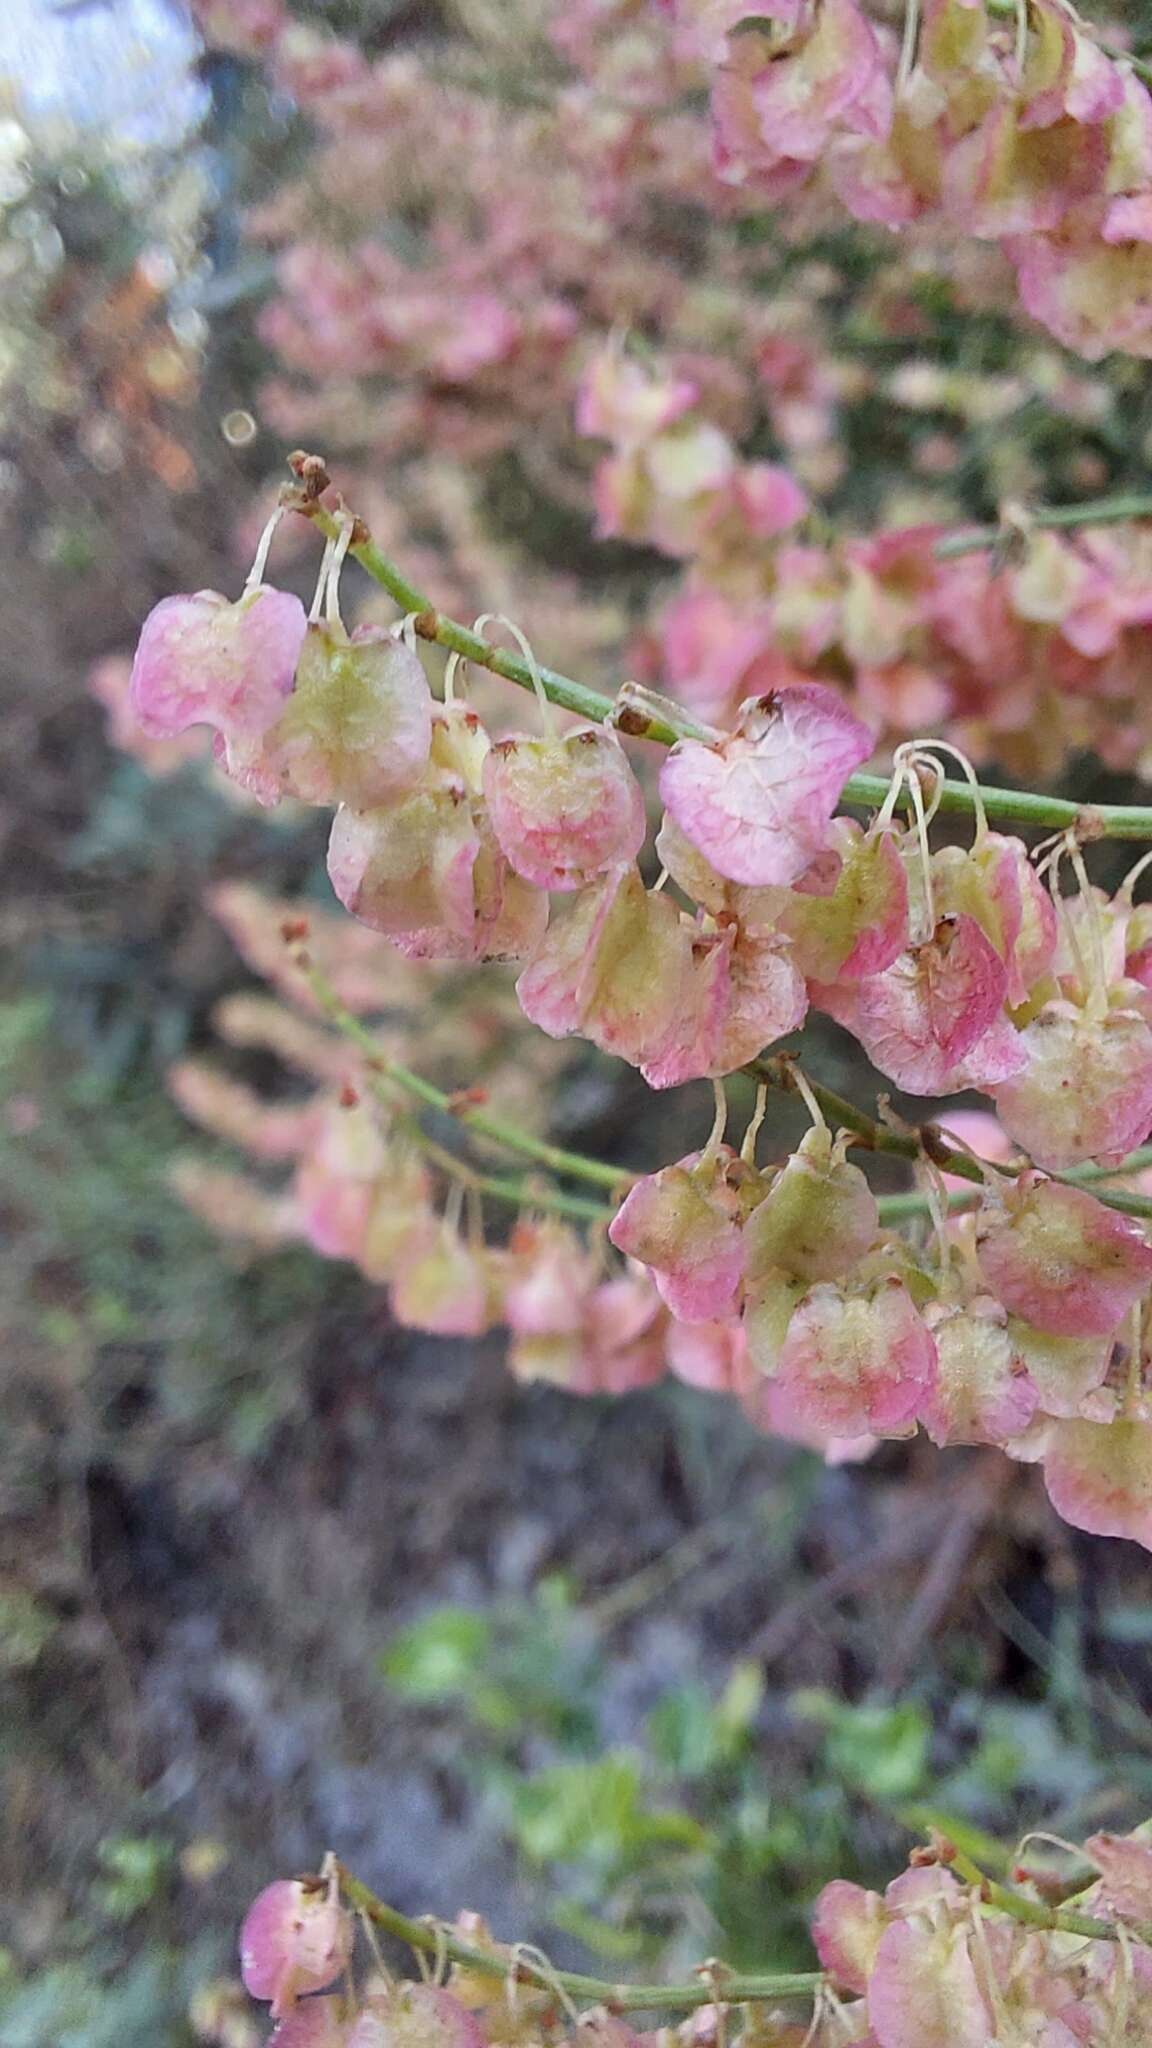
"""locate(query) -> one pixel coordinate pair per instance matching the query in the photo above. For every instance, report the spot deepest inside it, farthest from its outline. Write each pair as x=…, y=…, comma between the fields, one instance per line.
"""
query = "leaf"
x=438, y=1658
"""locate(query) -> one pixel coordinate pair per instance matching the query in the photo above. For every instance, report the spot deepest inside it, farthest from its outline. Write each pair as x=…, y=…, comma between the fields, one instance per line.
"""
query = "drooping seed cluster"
x=939, y=1960
x=954, y=967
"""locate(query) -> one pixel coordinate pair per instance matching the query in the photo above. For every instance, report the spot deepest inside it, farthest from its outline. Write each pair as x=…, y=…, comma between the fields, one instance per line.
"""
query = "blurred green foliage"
x=720, y=1818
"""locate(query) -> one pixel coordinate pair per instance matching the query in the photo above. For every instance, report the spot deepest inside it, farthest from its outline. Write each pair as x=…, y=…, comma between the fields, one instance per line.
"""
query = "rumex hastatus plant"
x=1003, y=1298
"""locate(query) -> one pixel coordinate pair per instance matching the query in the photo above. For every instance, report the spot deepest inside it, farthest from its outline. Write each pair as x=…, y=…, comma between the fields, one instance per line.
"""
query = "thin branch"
x=1032, y=1913
x=895, y=1208
x=1022, y=807
x=424, y=1935
x=574, y=1166
x=1053, y=518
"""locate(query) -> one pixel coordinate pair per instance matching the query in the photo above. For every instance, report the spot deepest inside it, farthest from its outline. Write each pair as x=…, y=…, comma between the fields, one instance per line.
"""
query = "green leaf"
x=438, y=1658
x=880, y=1751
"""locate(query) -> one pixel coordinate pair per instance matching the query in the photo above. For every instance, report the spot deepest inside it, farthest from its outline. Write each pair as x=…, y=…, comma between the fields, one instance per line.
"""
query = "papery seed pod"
x=1064, y=1370
x=549, y=1276
x=980, y=1392
x=859, y=925
x=625, y=1329
x=335, y=1182
x=818, y=1218
x=296, y=1938
x=407, y=870
x=683, y=1223
x=854, y=1364
x=415, y=2016
x=924, y=1991
x=933, y=1021
x=440, y=1282
x=1060, y=1259
x=779, y=96
x=996, y=883
x=1099, y=1476
x=400, y=1203
x=427, y=871
x=618, y=969
x=1085, y=1091
x=357, y=728
x=1125, y=1866
x=847, y=1924
x=742, y=992
x=564, y=808
x=711, y=1355
x=202, y=660
x=758, y=803
x=766, y=1323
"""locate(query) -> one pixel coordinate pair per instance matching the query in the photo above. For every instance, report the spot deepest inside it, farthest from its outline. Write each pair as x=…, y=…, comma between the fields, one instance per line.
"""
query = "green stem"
x=577, y=1165
x=1031, y=1912
x=704, y=1990
x=1016, y=806
x=896, y=1208
x=778, y=1070
x=522, y=1194
x=1054, y=518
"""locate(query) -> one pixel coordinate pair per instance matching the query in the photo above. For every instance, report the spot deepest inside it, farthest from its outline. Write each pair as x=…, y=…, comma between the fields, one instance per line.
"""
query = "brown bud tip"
x=425, y=623
x=294, y=929
x=467, y=1098
x=922, y=1856
x=946, y=1851
x=348, y=1096
x=312, y=471
x=634, y=723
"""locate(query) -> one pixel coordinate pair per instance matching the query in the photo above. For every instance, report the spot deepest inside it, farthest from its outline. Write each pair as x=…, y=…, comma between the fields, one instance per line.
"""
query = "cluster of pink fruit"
x=536, y=216
x=937, y=1961
x=955, y=967
x=1026, y=131
x=1021, y=661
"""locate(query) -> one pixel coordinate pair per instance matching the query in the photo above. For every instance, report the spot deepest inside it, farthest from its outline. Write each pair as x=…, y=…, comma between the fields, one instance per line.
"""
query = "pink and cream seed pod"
x=415, y=2016
x=357, y=728
x=1099, y=1476
x=296, y=1938
x=933, y=1021
x=1084, y=1091
x=683, y=1223
x=564, y=808
x=757, y=803
x=1060, y=1259
x=202, y=660
x=854, y=1363
x=818, y=1218
x=981, y=1392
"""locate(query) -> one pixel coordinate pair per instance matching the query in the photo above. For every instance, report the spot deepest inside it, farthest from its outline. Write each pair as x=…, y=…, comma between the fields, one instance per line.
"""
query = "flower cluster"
x=537, y=220
x=925, y=1969
x=1020, y=1322
x=1025, y=131
x=941, y=1959
x=1020, y=662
